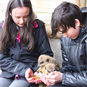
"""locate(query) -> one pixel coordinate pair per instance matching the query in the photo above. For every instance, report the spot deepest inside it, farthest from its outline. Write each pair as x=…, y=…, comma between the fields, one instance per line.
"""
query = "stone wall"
x=56, y=48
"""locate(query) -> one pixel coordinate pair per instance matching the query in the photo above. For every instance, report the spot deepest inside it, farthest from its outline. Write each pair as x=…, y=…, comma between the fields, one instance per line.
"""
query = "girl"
x=23, y=40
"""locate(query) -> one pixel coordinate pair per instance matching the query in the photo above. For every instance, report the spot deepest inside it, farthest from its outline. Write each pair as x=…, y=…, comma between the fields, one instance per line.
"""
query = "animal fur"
x=45, y=59
x=50, y=67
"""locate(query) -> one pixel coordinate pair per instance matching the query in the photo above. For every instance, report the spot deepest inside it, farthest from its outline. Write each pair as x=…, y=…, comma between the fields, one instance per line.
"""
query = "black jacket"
x=17, y=60
x=74, y=66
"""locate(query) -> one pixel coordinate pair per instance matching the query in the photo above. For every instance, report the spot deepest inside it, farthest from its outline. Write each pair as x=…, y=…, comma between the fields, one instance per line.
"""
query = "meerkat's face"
x=43, y=60
x=50, y=67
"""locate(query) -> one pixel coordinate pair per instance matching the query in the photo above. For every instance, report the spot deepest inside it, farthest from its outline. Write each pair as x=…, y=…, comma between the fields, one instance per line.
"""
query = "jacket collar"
x=35, y=25
x=83, y=30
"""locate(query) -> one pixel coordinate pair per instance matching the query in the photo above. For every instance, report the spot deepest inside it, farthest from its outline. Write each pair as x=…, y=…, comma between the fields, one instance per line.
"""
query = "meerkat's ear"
x=57, y=67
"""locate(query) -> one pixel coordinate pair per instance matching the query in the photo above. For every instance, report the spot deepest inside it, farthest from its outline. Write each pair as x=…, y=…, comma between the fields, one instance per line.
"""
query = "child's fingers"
x=38, y=81
x=31, y=80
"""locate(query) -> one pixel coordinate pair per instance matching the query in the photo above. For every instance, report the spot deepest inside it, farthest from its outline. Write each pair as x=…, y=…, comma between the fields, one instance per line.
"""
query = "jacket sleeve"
x=72, y=78
x=12, y=66
x=64, y=54
x=75, y=79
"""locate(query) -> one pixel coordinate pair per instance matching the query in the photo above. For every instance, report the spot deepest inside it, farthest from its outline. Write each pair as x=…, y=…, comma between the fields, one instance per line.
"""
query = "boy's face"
x=72, y=32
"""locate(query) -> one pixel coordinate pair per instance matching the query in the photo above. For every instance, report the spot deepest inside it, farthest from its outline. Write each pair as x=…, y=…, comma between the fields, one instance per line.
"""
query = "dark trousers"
x=5, y=82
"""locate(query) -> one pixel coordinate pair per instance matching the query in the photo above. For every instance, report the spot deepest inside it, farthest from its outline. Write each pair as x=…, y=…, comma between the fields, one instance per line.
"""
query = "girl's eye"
x=17, y=17
x=26, y=17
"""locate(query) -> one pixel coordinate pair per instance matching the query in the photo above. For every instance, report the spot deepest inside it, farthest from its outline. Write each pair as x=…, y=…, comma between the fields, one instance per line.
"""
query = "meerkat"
x=50, y=67
x=46, y=65
x=46, y=69
x=44, y=59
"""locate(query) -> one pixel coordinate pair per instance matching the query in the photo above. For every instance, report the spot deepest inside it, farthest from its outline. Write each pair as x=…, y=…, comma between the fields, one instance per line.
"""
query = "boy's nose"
x=64, y=35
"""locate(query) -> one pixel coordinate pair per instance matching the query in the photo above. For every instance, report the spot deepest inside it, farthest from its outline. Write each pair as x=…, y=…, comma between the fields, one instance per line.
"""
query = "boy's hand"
x=41, y=76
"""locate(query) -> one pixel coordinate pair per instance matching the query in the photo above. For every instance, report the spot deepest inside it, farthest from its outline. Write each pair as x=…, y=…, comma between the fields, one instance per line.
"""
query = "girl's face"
x=20, y=15
x=72, y=32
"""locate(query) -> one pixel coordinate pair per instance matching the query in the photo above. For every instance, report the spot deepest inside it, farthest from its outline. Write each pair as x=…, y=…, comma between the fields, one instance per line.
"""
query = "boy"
x=68, y=19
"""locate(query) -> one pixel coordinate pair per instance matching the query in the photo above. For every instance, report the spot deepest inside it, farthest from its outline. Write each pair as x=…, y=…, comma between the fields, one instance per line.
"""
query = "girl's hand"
x=28, y=74
x=37, y=81
x=30, y=77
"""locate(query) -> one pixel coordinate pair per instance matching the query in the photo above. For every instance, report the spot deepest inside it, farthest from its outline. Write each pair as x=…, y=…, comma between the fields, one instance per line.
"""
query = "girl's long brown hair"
x=9, y=31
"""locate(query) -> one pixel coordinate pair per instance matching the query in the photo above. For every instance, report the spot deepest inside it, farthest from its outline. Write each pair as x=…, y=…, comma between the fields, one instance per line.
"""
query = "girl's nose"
x=21, y=21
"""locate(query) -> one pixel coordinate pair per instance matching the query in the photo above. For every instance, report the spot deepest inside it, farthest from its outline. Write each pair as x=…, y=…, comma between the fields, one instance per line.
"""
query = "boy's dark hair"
x=64, y=15
x=9, y=32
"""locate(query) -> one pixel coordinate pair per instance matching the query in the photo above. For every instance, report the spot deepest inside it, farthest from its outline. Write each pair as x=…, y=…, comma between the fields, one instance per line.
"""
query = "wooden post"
x=82, y=3
x=77, y=2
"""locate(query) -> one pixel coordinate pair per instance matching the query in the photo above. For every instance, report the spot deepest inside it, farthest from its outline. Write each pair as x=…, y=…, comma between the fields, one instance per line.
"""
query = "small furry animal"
x=46, y=65
x=46, y=69
x=45, y=59
x=50, y=67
